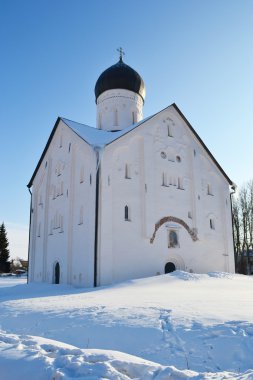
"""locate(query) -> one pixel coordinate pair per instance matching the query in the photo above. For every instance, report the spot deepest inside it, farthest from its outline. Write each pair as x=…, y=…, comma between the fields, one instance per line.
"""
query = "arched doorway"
x=169, y=267
x=57, y=273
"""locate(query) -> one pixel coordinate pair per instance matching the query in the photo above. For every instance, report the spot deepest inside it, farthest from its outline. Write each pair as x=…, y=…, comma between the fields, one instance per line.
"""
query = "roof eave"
x=44, y=152
x=231, y=183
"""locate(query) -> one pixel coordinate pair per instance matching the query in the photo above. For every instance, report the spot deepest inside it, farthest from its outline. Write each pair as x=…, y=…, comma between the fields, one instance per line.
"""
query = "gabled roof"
x=100, y=138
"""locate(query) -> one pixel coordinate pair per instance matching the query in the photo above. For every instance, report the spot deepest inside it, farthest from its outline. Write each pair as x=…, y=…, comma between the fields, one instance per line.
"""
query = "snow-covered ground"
x=175, y=326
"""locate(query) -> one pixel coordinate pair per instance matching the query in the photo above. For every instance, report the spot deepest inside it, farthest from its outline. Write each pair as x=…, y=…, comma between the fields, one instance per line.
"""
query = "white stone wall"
x=63, y=204
x=159, y=154
x=169, y=183
x=117, y=109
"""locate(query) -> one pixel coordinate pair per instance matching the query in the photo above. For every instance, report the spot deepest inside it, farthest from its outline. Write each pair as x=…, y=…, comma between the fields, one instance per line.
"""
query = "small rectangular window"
x=212, y=226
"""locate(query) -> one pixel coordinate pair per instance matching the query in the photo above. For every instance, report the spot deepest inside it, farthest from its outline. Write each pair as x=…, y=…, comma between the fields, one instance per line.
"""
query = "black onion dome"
x=122, y=76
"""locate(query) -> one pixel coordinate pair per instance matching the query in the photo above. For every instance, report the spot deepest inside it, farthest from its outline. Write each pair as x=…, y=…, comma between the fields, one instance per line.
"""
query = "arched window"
x=127, y=216
x=57, y=273
x=173, y=239
x=169, y=267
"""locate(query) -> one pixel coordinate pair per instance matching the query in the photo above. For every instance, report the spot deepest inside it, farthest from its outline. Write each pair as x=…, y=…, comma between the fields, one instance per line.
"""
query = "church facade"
x=131, y=198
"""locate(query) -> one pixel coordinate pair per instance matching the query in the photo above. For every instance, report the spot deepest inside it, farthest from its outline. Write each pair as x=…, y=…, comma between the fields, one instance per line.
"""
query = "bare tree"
x=242, y=216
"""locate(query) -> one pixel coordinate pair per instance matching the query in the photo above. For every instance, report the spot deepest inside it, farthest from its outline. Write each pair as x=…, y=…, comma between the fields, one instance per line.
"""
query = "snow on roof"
x=99, y=137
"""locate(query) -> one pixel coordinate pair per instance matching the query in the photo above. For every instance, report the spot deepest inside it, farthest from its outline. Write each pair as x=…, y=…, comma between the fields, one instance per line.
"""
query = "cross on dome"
x=121, y=53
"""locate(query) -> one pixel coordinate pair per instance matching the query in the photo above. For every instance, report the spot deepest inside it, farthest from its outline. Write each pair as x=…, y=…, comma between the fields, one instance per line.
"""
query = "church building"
x=130, y=198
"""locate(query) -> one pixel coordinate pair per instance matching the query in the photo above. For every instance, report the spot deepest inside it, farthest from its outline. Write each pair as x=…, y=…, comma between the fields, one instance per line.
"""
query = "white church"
x=130, y=198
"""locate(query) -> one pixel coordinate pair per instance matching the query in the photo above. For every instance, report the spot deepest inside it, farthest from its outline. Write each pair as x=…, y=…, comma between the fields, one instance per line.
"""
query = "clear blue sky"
x=196, y=53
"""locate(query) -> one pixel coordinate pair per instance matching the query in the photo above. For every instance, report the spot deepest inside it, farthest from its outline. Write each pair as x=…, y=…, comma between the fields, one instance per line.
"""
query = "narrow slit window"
x=99, y=121
x=69, y=147
x=133, y=118
x=212, y=226
x=51, y=228
x=116, y=121
x=127, y=216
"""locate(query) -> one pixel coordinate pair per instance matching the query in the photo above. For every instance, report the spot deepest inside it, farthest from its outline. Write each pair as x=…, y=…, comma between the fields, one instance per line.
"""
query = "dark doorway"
x=169, y=267
x=57, y=273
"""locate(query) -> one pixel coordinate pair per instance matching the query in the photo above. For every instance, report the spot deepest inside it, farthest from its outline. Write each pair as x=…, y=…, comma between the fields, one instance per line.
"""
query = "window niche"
x=61, y=224
x=165, y=180
x=60, y=142
x=39, y=228
x=209, y=189
x=127, y=171
x=189, y=214
x=180, y=183
x=82, y=175
x=173, y=241
x=169, y=131
x=80, y=216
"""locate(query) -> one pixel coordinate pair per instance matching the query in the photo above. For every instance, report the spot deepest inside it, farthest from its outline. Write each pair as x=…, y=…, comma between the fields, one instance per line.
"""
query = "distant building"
x=131, y=198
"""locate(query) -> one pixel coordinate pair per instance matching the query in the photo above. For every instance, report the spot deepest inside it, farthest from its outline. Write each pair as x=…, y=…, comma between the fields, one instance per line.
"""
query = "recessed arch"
x=174, y=219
